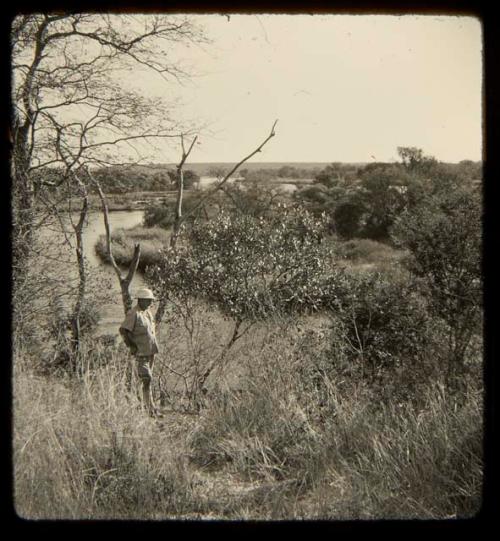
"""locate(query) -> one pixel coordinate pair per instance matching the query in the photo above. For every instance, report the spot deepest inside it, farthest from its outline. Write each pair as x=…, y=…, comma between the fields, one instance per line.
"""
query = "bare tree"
x=70, y=108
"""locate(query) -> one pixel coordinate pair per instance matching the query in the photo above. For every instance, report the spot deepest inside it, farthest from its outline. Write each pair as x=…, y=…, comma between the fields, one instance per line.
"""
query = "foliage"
x=190, y=178
x=251, y=199
x=348, y=217
x=381, y=324
x=123, y=180
x=382, y=193
x=284, y=172
x=336, y=173
x=443, y=236
x=365, y=201
x=415, y=162
x=251, y=267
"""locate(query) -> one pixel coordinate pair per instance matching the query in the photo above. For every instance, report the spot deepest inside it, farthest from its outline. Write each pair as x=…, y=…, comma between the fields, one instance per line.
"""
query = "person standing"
x=138, y=333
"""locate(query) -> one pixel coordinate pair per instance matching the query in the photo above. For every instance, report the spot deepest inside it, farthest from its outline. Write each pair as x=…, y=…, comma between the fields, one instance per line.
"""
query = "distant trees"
x=284, y=172
x=252, y=199
x=365, y=201
x=190, y=178
x=383, y=197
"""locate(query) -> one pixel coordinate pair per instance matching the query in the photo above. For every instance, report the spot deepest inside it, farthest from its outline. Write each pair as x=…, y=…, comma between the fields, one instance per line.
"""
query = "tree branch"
x=228, y=175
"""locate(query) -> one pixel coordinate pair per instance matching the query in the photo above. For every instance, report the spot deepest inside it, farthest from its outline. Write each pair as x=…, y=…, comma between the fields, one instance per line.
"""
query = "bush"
x=382, y=328
x=249, y=267
x=443, y=237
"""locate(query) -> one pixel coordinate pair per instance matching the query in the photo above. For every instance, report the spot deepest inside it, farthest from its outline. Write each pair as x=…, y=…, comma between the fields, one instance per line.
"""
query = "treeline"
x=365, y=202
x=124, y=179
x=358, y=201
x=284, y=172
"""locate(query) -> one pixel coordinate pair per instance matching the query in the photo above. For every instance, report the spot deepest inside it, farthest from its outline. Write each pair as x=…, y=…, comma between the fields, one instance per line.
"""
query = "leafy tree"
x=333, y=192
x=349, y=217
x=383, y=196
x=415, y=161
x=190, y=178
x=443, y=236
x=250, y=268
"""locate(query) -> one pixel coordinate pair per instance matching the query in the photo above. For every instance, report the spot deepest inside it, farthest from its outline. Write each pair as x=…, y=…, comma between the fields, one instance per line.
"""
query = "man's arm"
x=128, y=339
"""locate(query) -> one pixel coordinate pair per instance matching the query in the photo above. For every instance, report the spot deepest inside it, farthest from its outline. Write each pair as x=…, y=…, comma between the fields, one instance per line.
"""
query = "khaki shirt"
x=142, y=326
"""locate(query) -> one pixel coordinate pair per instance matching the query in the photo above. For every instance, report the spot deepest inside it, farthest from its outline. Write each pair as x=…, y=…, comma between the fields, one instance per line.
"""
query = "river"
x=111, y=312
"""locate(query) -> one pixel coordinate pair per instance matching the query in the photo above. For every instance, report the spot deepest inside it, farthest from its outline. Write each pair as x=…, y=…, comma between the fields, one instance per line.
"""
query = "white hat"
x=145, y=294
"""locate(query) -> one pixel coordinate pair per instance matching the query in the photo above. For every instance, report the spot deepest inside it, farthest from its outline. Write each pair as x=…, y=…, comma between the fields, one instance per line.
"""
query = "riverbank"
x=151, y=239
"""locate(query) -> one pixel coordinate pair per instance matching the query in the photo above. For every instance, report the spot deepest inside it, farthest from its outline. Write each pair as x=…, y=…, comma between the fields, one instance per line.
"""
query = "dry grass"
x=85, y=449
x=293, y=442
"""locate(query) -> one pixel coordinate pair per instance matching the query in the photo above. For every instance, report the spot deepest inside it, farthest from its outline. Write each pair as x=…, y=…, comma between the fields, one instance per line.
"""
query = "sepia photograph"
x=246, y=266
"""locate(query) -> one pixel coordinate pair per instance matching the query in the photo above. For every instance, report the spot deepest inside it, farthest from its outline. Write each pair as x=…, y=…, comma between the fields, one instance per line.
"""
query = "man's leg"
x=145, y=372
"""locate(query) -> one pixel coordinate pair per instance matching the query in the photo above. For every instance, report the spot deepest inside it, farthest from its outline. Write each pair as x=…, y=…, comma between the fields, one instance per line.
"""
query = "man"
x=138, y=332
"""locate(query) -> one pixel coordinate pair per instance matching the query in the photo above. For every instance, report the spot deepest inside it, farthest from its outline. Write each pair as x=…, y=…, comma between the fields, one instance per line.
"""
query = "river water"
x=111, y=309
x=111, y=312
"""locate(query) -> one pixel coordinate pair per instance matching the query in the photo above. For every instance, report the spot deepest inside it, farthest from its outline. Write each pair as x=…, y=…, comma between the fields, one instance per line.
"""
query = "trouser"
x=145, y=372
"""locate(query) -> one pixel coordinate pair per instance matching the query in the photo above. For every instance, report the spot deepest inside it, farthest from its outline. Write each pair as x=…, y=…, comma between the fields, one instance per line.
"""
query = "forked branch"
x=180, y=219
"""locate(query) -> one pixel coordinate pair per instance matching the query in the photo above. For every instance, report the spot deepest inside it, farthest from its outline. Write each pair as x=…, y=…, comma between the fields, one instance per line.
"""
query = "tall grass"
x=85, y=449
x=342, y=454
x=296, y=440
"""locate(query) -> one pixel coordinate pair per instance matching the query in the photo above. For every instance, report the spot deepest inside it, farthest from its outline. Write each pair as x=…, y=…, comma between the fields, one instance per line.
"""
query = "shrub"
x=249, y=267
x=443, y=237
x=381, y=326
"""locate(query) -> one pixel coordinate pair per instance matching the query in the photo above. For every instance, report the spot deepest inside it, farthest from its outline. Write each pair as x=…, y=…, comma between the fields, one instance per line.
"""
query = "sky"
x=349, y=88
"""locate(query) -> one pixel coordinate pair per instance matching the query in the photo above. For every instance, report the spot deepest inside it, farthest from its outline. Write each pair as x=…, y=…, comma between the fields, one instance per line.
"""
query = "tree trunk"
x=82, y=274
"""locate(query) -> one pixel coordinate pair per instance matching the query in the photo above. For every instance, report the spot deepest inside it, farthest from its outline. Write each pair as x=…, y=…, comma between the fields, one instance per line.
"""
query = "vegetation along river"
x=111, y=312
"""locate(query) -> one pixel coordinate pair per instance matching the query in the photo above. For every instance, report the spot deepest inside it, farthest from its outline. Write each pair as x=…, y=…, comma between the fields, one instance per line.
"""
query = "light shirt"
x=142, y=326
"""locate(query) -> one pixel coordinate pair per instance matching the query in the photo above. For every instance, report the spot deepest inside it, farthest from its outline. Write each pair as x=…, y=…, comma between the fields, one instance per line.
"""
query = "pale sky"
x=348, y=88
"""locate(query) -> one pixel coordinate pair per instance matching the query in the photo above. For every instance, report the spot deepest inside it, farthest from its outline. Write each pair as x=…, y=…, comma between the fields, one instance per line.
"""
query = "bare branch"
x=228, y=175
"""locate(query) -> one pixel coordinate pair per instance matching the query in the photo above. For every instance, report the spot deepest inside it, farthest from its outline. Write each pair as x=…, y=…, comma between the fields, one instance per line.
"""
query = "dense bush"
x=251, y=267
x=443, y=237
x=381, y=327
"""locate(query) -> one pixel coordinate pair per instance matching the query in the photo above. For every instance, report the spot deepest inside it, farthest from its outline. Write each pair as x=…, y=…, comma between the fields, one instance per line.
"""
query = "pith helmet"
x=145, y=294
